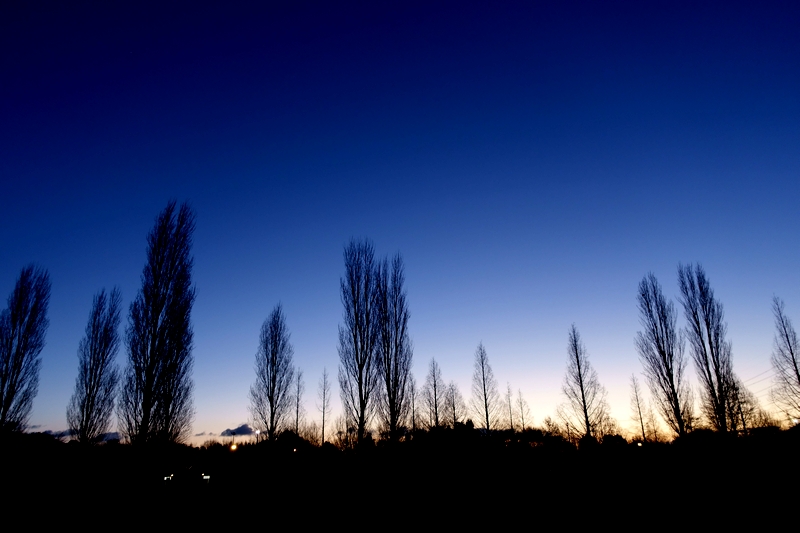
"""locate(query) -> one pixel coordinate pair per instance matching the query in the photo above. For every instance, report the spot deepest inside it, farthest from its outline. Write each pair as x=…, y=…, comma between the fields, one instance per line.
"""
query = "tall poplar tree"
x=22, y=329
x=155, y=402
x=92, y=404
x=358, y=370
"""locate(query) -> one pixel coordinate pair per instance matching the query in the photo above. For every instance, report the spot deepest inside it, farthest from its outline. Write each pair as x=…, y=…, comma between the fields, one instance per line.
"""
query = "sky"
x=531, y=162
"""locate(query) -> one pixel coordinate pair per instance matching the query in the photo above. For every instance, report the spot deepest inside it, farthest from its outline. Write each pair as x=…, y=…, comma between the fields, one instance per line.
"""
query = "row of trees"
x=725, y=404
x=375, y=357
x=443, y=405
x=724, y=401
x=154, y=392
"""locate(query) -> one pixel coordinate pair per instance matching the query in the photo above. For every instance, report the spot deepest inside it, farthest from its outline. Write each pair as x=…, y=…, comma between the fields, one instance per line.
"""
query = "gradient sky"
x=531, y=162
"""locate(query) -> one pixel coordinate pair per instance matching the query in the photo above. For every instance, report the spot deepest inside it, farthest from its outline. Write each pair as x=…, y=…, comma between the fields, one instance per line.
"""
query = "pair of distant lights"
x=206, y=477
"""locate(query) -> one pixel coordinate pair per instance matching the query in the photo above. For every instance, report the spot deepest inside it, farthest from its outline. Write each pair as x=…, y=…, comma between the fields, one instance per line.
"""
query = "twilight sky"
x=531, y=162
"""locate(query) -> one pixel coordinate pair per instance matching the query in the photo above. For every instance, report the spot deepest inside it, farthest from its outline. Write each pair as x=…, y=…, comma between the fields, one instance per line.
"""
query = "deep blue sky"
x=531, y=162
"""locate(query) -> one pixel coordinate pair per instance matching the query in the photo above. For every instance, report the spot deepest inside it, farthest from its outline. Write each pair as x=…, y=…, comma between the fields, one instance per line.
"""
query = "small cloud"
x=244, y=429
x=59, y=434
x=67, y=433
x=37, y=426
x=201, y=434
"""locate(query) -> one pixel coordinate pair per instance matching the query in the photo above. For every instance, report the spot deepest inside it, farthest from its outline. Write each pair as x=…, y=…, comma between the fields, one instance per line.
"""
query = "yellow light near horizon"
x=233, y=447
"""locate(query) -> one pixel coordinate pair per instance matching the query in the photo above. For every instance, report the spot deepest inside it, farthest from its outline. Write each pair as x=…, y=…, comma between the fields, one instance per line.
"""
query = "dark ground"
x=445, y=479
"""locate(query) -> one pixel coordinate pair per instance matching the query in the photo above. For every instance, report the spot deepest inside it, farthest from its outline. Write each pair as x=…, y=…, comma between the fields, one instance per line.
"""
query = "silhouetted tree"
x=637, y=406
x=310, y=431
x=22, y=330
x=299, y=388
x=344, y=436
x=551, y=427
x=155, y=402
x=485, y=398
x=660, y=349
x=433, y=395
x=747, y=411
x=586, y=409
x=710, y=351
x=523, y=411
x=652, y=424
x=741, y=407
x=509, y=406
x=324, y=396
x=744, y=410
x=786, y=363
x=412, y=401
x=455, y=410
x=358, y=376
x=92, y=404
x=271, y=395
x=393, y=349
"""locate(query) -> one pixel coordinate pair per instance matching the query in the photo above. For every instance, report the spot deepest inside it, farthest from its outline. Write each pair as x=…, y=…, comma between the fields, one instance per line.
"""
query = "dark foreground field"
x=705, y=478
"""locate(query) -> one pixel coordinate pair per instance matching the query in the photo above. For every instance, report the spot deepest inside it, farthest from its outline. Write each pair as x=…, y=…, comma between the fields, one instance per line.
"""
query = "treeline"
x=381, y=400
x=152, y=397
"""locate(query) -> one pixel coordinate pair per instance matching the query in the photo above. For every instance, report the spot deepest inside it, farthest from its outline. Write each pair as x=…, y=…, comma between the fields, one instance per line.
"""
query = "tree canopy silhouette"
x=786, y=363
x=358, y=376
x=710, y=350
x=271, y=395
x=433, y=395
x=156, y=397
x=23, y=325
x=660, y=348
x=393, y=349
x=586, y=408
x=92, y=404
x=324, y=397
x=485, y=396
